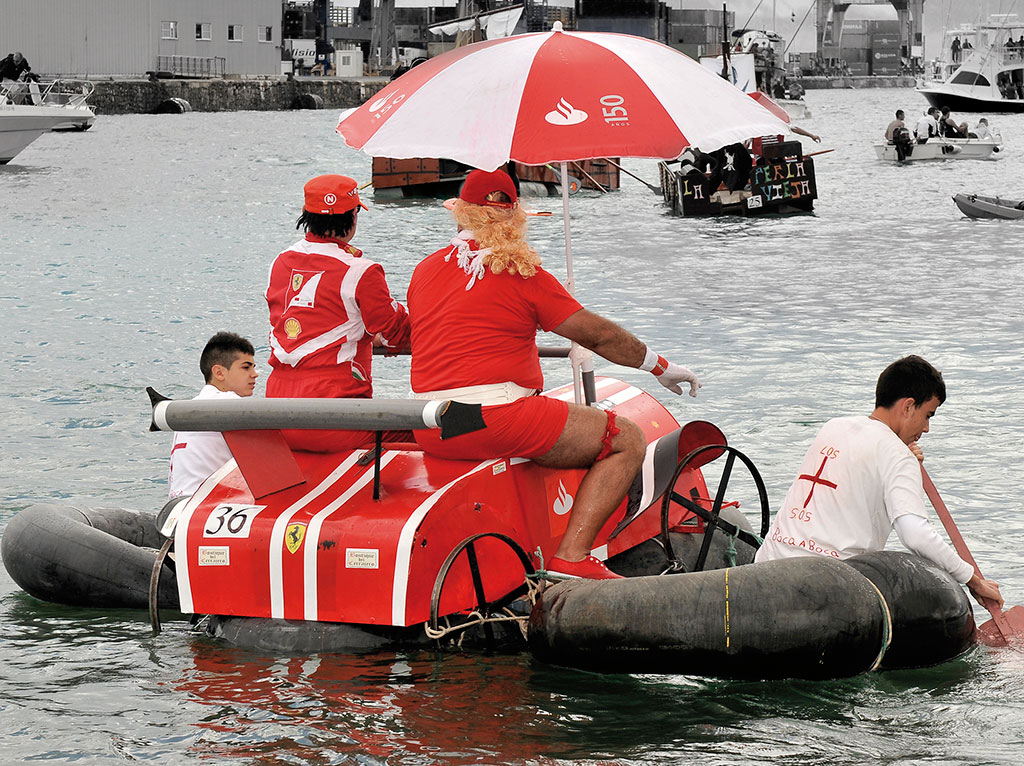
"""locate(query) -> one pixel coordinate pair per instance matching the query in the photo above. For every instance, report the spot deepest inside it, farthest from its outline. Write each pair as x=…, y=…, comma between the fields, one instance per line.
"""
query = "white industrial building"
x=130, y=38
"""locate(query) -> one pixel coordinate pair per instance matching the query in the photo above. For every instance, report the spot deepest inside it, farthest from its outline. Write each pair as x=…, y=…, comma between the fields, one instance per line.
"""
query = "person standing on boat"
x=954, y=50
x=229, y=369
x=328, y=307
x=928, y=126
x=13, y=66
x=475, y=306
x=861, y=479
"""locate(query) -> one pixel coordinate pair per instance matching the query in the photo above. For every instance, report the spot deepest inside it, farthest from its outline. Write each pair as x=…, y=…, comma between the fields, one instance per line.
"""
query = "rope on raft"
x=475, y=617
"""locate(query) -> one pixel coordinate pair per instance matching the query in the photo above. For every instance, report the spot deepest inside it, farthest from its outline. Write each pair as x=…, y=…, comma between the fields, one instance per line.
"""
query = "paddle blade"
x=697, y=434
x=1011, y=633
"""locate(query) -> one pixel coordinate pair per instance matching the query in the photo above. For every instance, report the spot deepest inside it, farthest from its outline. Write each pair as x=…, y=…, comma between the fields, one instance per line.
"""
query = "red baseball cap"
x=480, y=183
x=331, y=194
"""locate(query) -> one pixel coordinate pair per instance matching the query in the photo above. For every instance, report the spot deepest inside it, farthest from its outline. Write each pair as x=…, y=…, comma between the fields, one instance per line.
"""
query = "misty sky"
x=938, y=15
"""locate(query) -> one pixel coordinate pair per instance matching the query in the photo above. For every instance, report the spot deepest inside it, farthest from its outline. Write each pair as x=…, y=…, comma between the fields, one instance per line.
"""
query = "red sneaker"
x=588, y=569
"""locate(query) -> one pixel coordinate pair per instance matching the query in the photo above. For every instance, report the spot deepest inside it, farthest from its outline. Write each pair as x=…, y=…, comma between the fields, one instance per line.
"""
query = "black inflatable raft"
x=96, y=557
x=808, y=617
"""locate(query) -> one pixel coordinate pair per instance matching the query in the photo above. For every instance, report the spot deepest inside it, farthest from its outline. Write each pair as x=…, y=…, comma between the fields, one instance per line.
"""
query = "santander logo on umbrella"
x=565, y=114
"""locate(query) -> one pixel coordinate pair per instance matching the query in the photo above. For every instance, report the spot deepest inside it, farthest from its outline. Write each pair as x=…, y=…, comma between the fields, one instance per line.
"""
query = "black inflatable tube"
x=932, y=620
x=809, y=617
x=93, y=557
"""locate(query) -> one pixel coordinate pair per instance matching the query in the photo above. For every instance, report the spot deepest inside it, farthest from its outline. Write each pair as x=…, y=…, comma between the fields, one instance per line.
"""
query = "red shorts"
x=317, y=384
x=525, y=428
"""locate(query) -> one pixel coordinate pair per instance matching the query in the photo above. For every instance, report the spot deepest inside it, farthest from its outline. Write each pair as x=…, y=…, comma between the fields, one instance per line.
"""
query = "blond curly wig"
x=503, y=230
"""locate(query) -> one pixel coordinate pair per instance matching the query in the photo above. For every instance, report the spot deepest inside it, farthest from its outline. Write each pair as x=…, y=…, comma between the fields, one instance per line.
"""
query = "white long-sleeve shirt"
x=197, y=454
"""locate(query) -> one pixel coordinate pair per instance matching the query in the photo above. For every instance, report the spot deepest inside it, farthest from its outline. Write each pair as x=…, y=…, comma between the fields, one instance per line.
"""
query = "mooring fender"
x=95, y=557
x=809, y=617
x=932, y=620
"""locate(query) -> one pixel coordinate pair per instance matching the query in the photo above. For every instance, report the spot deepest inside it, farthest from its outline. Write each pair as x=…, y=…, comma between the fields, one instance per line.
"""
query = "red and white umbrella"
x=555, y=97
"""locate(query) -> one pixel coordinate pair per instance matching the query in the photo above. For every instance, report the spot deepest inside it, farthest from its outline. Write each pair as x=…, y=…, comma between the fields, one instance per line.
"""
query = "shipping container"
x=860, y=55
x=858, y=68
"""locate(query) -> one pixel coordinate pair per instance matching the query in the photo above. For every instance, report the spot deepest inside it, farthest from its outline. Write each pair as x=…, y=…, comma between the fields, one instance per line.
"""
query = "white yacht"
x=990, y=77
x=29, y=109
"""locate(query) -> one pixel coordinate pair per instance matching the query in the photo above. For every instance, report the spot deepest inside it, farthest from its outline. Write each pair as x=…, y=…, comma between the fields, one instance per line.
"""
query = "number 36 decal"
x=230, y=520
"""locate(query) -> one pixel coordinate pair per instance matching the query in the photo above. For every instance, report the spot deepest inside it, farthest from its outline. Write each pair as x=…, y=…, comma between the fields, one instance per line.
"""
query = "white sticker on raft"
x=231, y=520
x=362, y=558
x=214, y=556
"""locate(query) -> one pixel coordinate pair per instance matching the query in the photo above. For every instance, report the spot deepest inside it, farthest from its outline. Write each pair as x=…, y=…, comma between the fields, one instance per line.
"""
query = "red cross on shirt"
x=815, y=480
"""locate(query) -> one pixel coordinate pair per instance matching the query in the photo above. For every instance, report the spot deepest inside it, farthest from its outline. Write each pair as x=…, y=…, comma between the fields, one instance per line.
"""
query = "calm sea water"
x=124, y=248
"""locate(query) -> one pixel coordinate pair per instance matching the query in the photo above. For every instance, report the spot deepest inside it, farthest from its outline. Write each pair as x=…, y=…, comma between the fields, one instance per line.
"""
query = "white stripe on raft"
x=181, y=533
x=312, y=538
x=277, y=550
x=403, y=554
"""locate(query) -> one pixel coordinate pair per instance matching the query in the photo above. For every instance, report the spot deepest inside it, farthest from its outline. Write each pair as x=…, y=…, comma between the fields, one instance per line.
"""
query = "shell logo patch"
x=296, y=281
x=294, y=535
x=292, y=328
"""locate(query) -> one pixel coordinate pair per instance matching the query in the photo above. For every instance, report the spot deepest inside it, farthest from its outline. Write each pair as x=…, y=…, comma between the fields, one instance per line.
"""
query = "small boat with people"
x=977, y=206
x=942, y=148
x=389, y=547
x=771, y=176
x=30, y=108
x=988, y=77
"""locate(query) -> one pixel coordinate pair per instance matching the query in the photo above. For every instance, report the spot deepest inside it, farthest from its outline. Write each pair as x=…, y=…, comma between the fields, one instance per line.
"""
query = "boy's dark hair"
x=222, y=349
x=325, y=224
x=910, y=376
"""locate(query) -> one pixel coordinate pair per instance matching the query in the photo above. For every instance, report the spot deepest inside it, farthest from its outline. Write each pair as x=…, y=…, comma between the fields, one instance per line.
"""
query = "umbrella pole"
x=582, y=359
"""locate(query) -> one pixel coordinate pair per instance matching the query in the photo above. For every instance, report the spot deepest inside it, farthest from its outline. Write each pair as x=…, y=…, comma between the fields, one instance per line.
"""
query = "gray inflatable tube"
x=95, y=557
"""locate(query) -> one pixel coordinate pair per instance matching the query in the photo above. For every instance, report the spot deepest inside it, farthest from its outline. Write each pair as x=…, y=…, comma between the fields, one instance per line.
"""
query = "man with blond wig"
x=474, y=307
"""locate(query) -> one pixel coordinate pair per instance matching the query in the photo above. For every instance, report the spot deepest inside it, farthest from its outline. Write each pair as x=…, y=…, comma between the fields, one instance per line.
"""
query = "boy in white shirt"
x=861, y=479
x=229, y=368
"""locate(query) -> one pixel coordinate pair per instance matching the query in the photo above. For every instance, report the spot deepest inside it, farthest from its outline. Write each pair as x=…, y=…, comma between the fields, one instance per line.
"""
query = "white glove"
x=670, y=375
x=676, y=374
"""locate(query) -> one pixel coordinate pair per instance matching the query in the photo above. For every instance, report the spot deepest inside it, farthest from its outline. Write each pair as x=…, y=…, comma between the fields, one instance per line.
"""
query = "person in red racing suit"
x=328, y=306
x=475, y=307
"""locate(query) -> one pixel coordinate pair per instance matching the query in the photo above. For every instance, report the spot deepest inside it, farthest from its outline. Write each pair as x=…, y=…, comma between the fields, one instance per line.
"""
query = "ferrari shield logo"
x=296, y=282
x=293, y=537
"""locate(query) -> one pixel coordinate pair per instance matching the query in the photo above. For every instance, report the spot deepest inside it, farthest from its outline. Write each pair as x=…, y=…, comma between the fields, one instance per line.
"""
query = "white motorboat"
x=990, y=76
x=944, y=149
x=29, y=109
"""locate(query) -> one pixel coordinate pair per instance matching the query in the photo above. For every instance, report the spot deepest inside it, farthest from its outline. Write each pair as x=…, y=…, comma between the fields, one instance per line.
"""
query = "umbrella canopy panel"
x=555, y=97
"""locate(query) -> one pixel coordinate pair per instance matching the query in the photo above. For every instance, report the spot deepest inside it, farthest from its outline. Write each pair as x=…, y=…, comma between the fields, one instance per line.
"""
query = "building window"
x=204, y=31
x=169, y=30
x=235, y=32
x=265, y=34
x=346, y=61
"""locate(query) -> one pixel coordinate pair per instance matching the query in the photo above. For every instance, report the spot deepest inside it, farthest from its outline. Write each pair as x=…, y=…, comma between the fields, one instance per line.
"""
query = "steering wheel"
x=712, y=518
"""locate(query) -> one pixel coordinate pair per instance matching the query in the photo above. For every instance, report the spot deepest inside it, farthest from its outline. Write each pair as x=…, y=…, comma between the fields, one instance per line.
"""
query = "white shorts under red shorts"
x=525, y=428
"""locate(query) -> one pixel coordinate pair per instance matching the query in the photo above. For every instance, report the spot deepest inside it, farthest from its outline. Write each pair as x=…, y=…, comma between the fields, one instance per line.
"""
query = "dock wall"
x=824, y=83
x=230, y=95
x=227, y=95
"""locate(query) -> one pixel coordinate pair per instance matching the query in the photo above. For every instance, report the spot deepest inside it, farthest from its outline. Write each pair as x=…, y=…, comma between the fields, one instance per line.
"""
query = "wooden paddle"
x=1005, y=628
